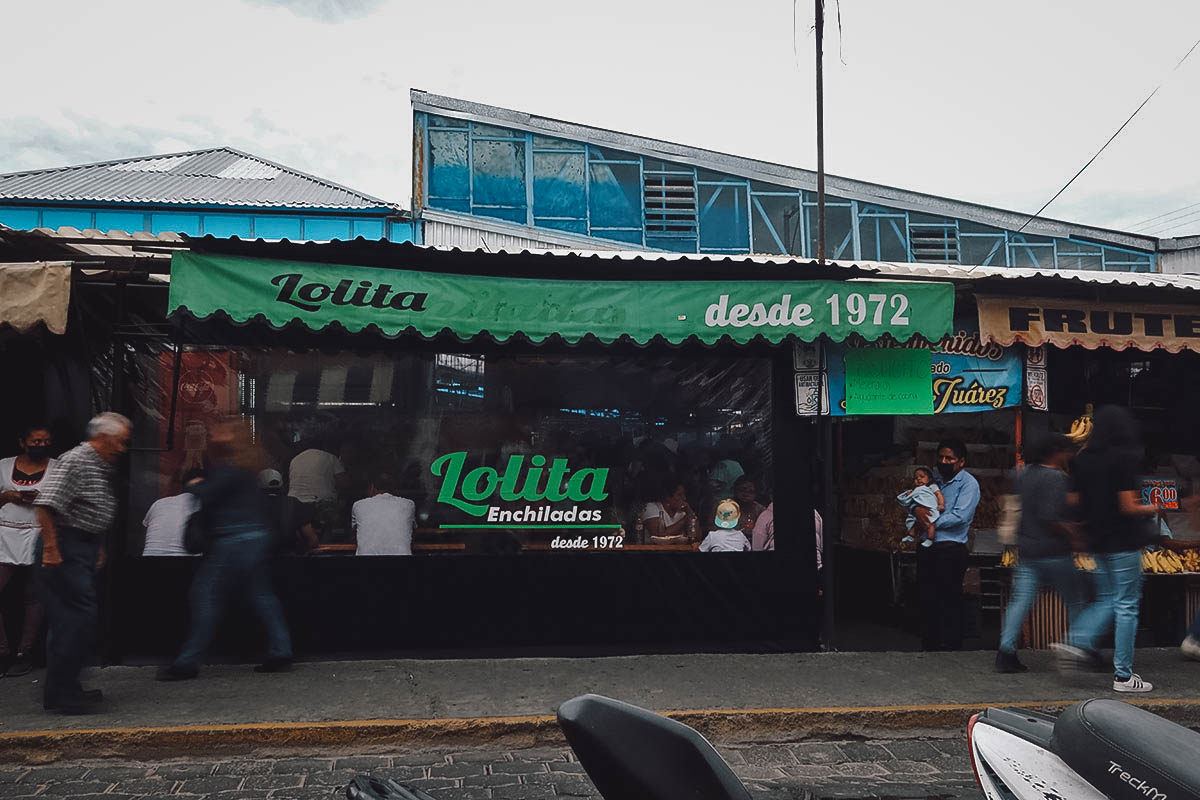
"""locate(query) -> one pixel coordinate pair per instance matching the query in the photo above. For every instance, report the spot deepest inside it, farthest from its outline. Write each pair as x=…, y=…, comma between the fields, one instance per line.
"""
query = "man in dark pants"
x=941, y=567
x=75, y=507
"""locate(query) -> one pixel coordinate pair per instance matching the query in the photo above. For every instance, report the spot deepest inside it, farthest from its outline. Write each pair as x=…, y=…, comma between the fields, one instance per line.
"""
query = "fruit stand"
x=1171, y=599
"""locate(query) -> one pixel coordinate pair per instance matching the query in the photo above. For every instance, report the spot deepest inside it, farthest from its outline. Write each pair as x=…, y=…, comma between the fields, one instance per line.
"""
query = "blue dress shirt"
x=962, y=498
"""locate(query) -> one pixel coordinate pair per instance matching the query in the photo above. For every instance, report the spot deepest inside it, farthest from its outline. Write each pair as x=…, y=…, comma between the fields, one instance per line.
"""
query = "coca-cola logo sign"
x=196, y=389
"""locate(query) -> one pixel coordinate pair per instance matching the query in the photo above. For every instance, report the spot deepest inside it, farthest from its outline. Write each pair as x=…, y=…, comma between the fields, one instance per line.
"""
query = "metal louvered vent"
x=933, y=243
x=670, y=202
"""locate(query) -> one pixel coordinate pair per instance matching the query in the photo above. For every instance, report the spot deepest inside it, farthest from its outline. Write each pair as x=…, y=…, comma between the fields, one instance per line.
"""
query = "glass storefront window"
x=498, y=454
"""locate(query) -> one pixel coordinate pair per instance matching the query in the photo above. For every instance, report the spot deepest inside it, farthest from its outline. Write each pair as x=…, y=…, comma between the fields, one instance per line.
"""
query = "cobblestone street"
x=895, y=768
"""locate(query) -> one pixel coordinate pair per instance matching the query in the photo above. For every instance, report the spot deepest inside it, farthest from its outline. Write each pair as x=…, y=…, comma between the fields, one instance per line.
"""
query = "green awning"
x=428, y=303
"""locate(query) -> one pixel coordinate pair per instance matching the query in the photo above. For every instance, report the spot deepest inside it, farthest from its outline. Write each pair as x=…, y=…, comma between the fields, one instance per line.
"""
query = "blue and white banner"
x=967, y=374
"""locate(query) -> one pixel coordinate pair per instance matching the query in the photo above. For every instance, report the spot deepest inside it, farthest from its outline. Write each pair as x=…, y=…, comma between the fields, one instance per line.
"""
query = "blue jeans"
x=1031, y=575
x=1118, y=579
x=236, y=563
x=69, y=593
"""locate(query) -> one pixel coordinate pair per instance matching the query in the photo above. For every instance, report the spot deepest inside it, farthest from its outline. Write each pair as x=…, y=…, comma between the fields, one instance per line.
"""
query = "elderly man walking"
x=75, y=508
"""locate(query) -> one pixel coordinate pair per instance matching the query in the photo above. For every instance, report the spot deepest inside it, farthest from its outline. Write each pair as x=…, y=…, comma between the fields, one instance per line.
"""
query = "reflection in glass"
x=497, y=453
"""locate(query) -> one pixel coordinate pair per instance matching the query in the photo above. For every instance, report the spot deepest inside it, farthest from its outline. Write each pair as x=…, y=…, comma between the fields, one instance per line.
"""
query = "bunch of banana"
x=1191, y=560
x=1084, y=562
x=1009, y=558
x=1163, y=562
x=1081, y=428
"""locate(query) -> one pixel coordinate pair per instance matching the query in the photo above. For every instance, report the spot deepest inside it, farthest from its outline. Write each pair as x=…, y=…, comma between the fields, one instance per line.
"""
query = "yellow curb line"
x=730, y=725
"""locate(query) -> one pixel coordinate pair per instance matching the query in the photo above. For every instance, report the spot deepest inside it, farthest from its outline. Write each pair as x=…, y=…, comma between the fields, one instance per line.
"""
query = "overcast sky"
x=991, y=103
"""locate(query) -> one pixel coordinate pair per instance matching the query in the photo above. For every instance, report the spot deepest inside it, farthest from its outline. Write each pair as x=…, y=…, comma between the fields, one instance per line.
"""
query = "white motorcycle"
x=1094, y=750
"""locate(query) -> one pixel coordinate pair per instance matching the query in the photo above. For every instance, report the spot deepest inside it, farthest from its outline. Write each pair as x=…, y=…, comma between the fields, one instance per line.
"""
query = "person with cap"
x=726, y=538
x=289, y=520
x=167, y=519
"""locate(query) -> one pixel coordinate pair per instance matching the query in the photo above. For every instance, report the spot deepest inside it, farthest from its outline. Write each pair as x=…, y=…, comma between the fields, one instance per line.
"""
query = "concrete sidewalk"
x=732, y=698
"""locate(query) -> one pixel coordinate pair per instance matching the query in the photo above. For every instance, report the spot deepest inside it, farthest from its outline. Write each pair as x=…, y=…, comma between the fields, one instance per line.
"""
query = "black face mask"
x=38, y=452
x=947, y=471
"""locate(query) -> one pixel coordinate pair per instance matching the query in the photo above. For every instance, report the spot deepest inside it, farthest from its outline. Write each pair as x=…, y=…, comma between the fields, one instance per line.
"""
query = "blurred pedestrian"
x=75, y=506
x=235, y=559
x=1045, y=542
x=20, y=477
x=1115, y=521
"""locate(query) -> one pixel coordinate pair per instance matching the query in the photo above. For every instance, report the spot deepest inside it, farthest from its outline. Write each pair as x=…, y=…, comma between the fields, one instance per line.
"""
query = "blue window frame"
x=599, y=191
x=724, y=217
x=449, y=170
x=615, y=195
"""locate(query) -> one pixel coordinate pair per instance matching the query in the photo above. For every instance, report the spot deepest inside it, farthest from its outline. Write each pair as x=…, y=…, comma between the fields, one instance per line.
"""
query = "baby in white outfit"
x=925, y=494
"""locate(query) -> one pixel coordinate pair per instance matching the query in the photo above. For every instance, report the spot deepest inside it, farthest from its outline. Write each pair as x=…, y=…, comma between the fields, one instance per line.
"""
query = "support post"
x=820, y=26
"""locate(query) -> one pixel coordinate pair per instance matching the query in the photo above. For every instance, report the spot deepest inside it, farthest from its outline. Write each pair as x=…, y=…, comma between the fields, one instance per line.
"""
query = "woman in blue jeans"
x=235, y=561
x=1109, y=498
x=1044, y=542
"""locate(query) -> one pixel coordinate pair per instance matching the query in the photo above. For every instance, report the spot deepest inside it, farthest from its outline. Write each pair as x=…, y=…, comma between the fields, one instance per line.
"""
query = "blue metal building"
x=220, y=191
x=492, y=177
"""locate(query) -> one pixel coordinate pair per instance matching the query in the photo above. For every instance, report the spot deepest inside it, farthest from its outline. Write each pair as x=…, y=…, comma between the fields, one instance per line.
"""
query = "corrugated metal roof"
x=620, y=264
x=774, y=173
x=1095, y=277
x=218, y=176
x=140, y=247
x=932, y=272
x=443, y=229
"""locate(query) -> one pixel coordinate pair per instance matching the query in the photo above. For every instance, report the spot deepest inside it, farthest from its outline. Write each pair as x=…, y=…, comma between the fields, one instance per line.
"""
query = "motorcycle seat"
x=1127, y=752
x=634, y=754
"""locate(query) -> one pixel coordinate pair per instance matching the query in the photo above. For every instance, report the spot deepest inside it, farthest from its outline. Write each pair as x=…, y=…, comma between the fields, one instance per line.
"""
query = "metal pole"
x=820, y=25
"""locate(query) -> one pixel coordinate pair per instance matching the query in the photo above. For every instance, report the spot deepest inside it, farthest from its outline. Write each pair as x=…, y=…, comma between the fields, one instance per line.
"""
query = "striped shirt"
x=80, y=490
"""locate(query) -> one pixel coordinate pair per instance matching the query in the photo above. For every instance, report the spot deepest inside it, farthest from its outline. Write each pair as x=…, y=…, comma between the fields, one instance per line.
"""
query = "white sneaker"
x=1190, y=648
x=1133, y=684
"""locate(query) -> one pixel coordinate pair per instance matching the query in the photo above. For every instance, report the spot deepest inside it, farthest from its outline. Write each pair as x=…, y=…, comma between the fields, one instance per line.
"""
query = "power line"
x=1111, y=138
x=1179, y=223
x=1160, y=216
x=1146, y=223
x=1170, y=225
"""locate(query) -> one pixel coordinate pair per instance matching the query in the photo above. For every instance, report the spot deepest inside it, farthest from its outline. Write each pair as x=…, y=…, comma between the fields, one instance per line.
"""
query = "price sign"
x=1162, y=491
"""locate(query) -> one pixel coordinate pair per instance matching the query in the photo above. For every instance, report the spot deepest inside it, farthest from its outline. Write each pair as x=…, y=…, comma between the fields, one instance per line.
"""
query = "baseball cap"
x=270, y=479
x=728, y=514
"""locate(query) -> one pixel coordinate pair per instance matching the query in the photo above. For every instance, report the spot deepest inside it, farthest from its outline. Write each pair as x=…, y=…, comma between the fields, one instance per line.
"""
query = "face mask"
x=946, y=470
x=38, y=452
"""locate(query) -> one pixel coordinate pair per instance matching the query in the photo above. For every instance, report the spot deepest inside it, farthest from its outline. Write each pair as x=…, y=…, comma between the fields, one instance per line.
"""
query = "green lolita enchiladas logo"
x=477, y=490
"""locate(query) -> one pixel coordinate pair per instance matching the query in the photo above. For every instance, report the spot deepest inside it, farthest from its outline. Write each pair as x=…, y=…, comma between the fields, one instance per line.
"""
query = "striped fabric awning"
x=342, y=381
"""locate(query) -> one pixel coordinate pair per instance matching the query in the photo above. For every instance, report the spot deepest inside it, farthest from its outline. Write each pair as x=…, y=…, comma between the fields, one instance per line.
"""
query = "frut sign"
x=1110, y=323
x=1064, y=323
x=471, y=492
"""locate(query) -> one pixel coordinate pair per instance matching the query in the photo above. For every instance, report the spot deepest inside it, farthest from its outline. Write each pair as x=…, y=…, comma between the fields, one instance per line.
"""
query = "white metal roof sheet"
x=218, y=176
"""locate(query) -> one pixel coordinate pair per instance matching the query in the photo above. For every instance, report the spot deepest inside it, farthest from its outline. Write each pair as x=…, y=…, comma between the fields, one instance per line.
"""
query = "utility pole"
x=820, y=26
